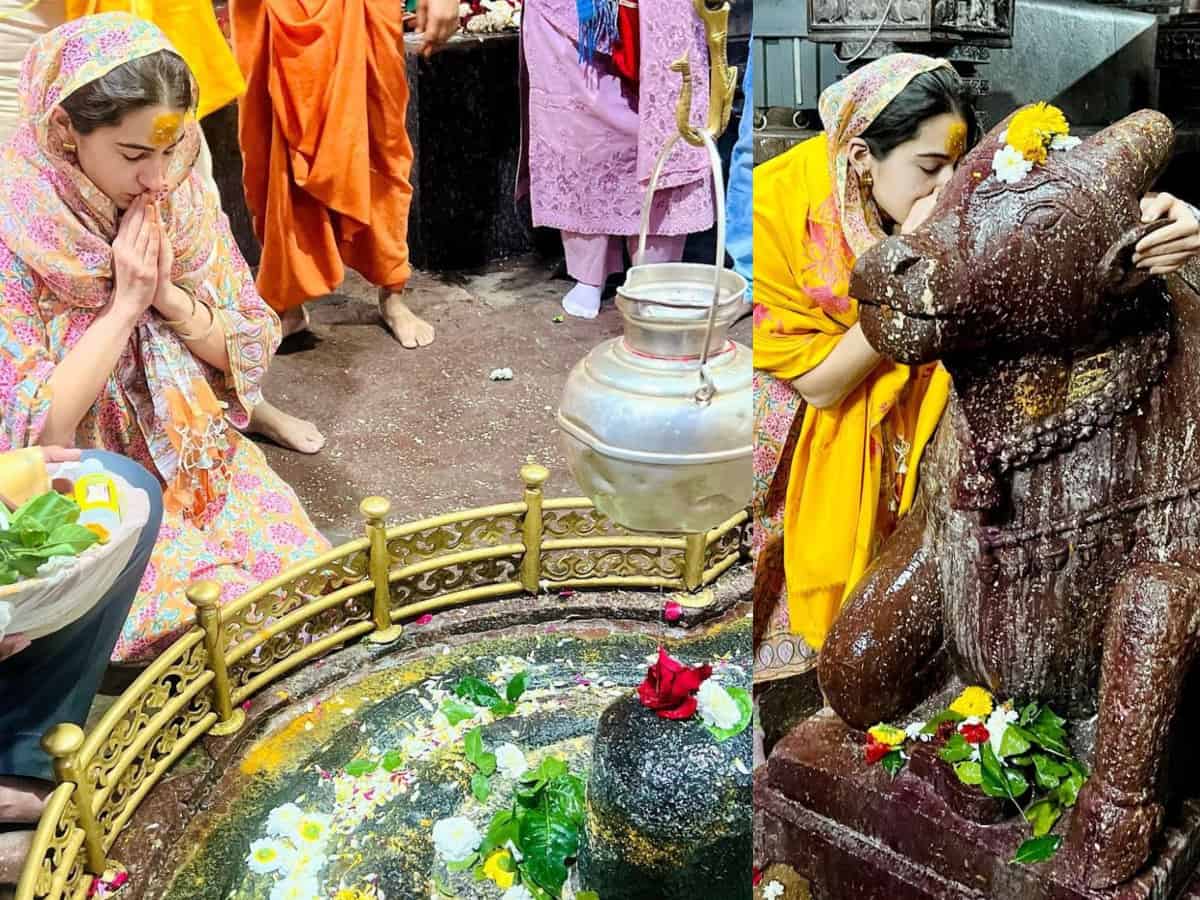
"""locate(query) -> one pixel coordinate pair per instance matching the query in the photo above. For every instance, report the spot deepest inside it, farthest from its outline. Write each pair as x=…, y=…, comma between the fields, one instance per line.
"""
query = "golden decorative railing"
x=363, y=589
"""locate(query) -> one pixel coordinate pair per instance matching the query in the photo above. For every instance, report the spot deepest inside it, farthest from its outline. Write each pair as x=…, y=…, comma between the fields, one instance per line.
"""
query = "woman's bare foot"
x=22, y=799
x=14, y=847
x=285, y=430
x=294, y=320
x=406, y=327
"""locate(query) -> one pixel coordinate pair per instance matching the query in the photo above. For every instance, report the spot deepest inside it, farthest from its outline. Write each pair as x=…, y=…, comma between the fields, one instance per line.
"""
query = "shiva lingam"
x=1053, y=555
x=657, y=424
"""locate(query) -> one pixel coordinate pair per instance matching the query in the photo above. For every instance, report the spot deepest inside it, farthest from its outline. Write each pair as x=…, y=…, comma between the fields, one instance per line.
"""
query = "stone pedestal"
x=668, y=810
x=855, y=832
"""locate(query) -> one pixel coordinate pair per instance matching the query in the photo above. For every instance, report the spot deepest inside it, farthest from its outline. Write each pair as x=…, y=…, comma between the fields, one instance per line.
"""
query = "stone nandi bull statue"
x=1054, y=553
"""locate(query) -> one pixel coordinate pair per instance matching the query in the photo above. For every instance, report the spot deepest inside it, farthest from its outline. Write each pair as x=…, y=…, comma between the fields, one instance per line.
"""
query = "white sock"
x=583, y=301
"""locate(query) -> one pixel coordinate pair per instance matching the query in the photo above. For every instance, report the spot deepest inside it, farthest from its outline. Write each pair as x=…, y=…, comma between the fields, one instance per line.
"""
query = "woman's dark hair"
x=160, y=79
x=929, y=94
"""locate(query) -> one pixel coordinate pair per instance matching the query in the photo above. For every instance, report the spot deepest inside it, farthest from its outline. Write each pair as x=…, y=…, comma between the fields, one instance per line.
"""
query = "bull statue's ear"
x=1118, y=276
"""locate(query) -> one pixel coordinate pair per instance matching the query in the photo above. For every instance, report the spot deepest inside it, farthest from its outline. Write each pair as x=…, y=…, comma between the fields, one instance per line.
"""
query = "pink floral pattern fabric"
x=56, y=230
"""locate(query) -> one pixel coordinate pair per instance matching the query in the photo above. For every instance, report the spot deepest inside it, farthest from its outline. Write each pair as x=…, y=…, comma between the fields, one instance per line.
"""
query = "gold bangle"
x=212, y=323
x=176, y=325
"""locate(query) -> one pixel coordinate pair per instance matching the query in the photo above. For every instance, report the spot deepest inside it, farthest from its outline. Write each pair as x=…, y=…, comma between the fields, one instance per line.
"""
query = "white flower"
x=997, y=724
x=312, y=832
x=517, y=892
x=270, y=855
x=1064, y=142
x=511, y=761
x=773, y=891
x=303, y=887
x=284, y=820
x=456, y=838
x=913, y=732
x=1009, y=165
x=717, y=708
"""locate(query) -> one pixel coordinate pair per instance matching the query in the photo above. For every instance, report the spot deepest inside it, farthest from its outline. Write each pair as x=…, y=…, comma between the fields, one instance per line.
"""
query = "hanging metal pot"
x=657, y=424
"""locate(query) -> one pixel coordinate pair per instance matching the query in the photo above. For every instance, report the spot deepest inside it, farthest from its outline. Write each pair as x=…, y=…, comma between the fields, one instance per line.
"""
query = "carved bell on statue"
x=984, y=23
x=657, y=424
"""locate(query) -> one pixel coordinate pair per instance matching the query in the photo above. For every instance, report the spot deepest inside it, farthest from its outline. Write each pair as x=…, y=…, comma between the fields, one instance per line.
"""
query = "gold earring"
x=68, y=147
x=867, y=180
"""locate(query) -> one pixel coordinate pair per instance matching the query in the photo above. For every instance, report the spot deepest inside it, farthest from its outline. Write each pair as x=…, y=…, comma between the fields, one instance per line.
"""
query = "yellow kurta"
x=853, y=469
x=191, y=26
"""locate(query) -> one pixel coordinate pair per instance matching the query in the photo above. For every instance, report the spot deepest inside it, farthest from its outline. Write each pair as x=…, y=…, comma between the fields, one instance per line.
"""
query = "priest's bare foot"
x=406, y=327
x=285, y=430
x=294, y=320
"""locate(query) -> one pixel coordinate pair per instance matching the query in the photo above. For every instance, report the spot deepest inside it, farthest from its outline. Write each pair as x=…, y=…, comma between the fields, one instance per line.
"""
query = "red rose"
x=672, y=611
x=756, y=876
x=670, y=687
x=974, y=734
x=876, y=750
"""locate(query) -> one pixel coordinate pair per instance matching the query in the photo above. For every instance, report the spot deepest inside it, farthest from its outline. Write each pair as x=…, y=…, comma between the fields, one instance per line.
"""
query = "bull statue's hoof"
x=1111, y=835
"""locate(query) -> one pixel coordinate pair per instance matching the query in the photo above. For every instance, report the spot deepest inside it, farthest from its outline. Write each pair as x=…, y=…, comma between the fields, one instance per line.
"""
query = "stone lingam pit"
x=1053, y=558
x=368, y=750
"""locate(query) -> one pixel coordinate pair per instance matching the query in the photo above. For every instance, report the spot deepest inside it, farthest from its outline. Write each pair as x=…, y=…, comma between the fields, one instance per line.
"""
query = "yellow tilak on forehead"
x=956, y=140
x=164, y=130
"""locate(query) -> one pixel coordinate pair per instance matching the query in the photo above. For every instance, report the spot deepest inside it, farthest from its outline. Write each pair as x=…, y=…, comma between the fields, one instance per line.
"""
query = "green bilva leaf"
x=473, y=745
x=393, y=761
x=360, y=767
x=1028, y=714
x=477, y=691
x=969, y=772
x=547, y=842
x=487, y=763
x=1013, y=743
x=463, y=866
x=1068, y=791
x=516, y=687
x=503, y=708
x=948, y=715
x=566, y=798
x=956, y=749
x=76, y=537
x=45, y=513
x=1048, y=772
x=992, y=779
x=1023, y=760
x=1047, y=731
x=893, y=763
x=456, y=711
x=1039, y=849
x=503, y=828
x=1042, y=816
x=479, y=874
x=481, y=787
x=1047, y=718
x=551, y=768
x=746, y=709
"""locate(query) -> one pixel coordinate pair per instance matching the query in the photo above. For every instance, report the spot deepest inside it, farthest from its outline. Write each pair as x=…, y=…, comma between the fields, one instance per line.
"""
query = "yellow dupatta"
x=811, y=220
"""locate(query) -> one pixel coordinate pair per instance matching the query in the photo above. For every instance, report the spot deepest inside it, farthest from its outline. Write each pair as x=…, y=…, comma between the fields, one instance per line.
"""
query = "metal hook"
x=722, y=78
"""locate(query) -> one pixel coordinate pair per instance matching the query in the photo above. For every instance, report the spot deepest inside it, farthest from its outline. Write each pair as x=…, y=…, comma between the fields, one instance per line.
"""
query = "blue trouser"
x=739, y=197
x=55, y=678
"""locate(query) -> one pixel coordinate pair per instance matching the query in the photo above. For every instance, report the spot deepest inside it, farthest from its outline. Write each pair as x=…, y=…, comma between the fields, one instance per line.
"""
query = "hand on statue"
x=919, y=214
x=1170, y=247
x=135, y=260
x=437, y=20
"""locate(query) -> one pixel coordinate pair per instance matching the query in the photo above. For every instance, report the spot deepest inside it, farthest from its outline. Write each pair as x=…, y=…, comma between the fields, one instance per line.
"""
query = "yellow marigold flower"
x=500, y=868
x=1032, y=129
x=973, y=702
x=886, y=734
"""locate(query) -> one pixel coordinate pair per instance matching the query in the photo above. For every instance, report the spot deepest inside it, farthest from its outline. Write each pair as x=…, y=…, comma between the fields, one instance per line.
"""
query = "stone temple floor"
x=426, y=428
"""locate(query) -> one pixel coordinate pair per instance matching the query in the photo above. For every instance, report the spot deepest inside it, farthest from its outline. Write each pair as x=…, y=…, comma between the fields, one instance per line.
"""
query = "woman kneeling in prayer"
x=129, y=320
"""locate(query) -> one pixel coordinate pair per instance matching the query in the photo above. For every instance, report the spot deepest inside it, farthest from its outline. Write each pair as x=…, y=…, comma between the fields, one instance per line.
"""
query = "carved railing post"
x=693, y=560
x=375, y=510
x=206, y=597
x=62, y=743
x=534, y=477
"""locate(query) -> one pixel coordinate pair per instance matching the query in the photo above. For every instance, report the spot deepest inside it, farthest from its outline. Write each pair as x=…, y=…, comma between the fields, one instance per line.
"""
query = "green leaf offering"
x=456, y=711
x=1038, y=849
x=893, y=763
x=1048, y=772
x=43, y=528
x=359, y=767
x=477, y=691
x=1042, y=815
x=969, y=772
x=481, y=787
x=463, y=866
x=547, y=841
x=746, y=709
x=393, y=761
x=516, y=687
x=1013, y=743
x=948, y=715
x=956, y=749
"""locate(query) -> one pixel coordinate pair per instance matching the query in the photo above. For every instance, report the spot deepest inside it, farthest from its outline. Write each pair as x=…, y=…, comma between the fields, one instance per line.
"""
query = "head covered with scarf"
x=61, y=226
x=812, y=219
